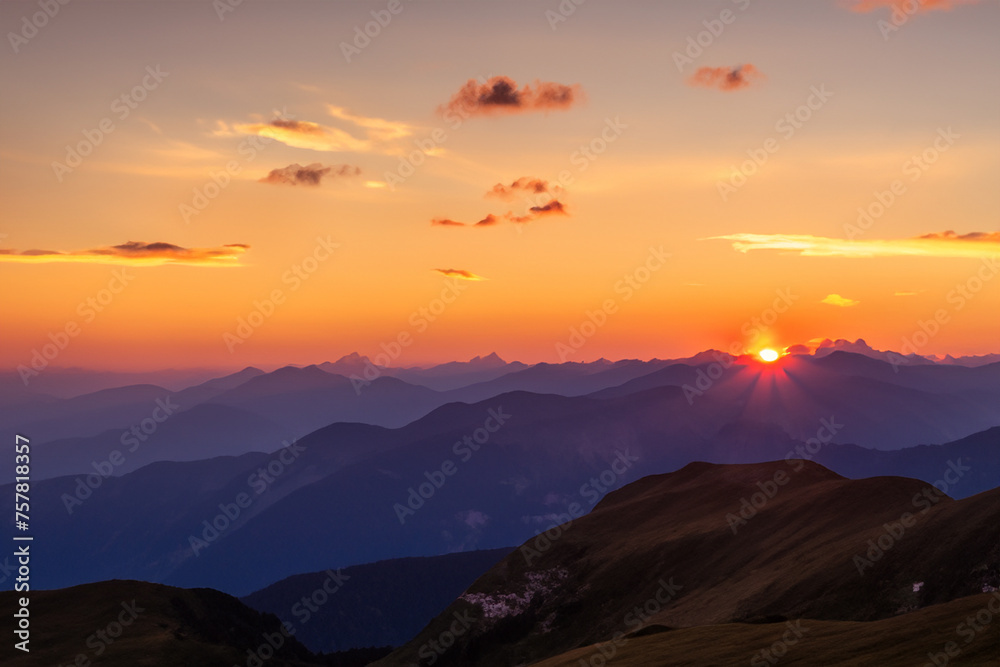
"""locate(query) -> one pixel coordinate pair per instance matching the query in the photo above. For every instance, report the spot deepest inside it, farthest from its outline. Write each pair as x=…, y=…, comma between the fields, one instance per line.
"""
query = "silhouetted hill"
x=809, y=549
x=163, y=627
x=378, y=604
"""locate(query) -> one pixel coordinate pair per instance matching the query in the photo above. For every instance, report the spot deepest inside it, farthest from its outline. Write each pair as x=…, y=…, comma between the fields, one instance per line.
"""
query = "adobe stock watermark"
x=636, y=619
x=786, y=127
x=365, y=34
x=894, y=531
x=562, y=12
x=303, y=611
x=779, y=649
x=969, y=629
x=420, y=320
x=219, y=180
x=581, y=159
x=752, y=329
x=259, y=482
x=698, y=43
x=30, y=25
x=122, y=107
x=455, y=117
x=464, y=449
x=591, y=491
x=432, y=650
x=263, y=309
x=102, y=638
x=958, y=298
x=59, y=340
x=626, y=288
x=769, y=488
x=900, y=14
x=132, y=438
x=914, y=167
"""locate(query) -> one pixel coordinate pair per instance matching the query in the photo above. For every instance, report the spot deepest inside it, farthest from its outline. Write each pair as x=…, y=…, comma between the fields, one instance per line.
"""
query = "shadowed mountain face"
x=711, y=544
x=902, y=641
x=128, y=623
x=378, y=604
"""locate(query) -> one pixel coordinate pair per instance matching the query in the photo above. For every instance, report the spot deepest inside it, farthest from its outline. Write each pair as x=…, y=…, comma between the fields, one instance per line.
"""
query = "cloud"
x=945, y=244
x=725, y=78
x=524, y=184
x=985, y=237
x=380, y=135
x=296, y=174
x=134, y=253
x=500, y=95
x=837, y=300
x=905, y=7
x=304, y=134
x=554, y=207
x=473, y=518
x=378, y=129
x=460, y=274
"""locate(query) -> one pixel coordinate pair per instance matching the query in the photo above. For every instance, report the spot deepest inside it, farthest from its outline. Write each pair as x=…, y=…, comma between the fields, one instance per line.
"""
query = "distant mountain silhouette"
x=336, y=504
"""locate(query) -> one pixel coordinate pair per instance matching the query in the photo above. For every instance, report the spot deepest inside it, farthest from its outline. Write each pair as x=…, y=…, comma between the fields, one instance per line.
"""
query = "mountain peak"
x=491, y=360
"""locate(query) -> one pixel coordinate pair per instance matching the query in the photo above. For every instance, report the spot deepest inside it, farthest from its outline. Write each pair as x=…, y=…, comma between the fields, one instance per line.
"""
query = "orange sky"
x=611, y=125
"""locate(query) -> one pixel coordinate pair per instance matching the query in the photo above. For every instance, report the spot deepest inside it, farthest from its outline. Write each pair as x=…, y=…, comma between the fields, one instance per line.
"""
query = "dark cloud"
x=554, y=207
x=488, y=221
x=500, y=95
x=296, y=174
x=524, y=184
x=725, y=78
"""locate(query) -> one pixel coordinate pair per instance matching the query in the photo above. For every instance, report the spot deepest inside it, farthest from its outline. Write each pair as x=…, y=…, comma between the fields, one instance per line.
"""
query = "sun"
x=767, y=355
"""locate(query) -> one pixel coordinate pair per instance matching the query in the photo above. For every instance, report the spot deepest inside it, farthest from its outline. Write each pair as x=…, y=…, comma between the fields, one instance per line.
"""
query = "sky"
x=199, y=184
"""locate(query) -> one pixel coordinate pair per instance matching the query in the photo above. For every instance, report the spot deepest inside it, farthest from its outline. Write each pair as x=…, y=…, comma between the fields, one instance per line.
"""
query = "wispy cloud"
x=460, y=274
x=984, y=237
x=500, y=95
x=134, y=253
x=906, y=6
x=725, y=78
x=943, y=244
x=378, y=129
x=296, y=174
x=554, y=207
x=837, y=300
x=379, y=135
